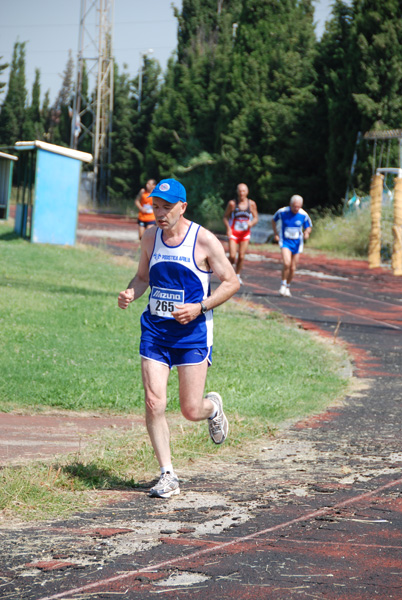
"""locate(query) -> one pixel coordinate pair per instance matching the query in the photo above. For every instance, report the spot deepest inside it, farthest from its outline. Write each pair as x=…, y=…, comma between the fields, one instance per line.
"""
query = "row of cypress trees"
x=251, y=95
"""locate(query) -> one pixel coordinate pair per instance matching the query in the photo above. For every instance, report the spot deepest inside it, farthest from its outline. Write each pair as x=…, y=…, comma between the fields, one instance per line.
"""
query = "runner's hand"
x=185, y=313
x=125, y=298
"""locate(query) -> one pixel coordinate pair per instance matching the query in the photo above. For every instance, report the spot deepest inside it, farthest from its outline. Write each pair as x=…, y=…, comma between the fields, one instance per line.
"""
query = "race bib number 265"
x=163, y=301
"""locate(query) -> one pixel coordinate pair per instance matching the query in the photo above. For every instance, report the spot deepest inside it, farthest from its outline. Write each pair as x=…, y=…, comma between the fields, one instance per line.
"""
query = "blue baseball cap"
x=170, y=190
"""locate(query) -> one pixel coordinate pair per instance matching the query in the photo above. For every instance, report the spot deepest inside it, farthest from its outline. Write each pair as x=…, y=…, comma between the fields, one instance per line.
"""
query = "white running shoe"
x=218, y=426
x=287, y=293
x=240, y=279
x=282, y=289
x=168, y=485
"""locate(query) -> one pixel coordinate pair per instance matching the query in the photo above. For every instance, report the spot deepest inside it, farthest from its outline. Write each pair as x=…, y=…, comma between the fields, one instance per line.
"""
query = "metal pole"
x=101, y=105
x=111, y=102
x=98, y=105
x=78, y=84
x=352, y=168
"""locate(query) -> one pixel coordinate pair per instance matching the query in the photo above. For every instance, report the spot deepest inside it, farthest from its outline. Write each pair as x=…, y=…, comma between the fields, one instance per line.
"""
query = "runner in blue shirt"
x=291, y=226
x=177, y=260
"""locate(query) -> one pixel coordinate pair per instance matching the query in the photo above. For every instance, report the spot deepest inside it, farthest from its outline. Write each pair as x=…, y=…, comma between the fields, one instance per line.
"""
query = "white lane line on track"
x=346, y=312
x=123, y=235
x=321, y=275
x=223, y=545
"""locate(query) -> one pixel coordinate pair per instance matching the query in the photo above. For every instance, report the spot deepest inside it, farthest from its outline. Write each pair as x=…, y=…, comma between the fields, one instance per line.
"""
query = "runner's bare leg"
x=155, y=376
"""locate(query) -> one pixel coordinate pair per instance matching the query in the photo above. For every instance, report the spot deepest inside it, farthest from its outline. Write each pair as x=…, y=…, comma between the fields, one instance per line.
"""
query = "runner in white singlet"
x=240, y=216
x=176, y=262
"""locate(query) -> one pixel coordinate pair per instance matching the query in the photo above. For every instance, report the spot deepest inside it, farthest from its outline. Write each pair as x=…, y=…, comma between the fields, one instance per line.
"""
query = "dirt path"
x=32, y=437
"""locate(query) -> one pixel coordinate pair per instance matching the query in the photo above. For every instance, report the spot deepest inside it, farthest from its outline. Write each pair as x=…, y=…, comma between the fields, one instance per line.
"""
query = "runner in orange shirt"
x=143, y=202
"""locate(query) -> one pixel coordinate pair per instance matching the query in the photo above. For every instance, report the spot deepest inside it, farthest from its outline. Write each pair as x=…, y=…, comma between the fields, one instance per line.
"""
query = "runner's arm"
x=254, y=212
x=276, y=235
x=140, y=282
x=229, y=209
x=138, y=198
x=223, y=270
x=307, y=228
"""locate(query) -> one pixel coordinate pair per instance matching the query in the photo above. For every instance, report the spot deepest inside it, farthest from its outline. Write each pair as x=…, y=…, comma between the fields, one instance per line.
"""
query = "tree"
x=185, y=136
x=272, y=92
x=46, y=116
x=2, y=68
x=12, y=114
x=336, y=69
x=378, y=98
x=378, y=31
x=252, y=96
x=359, y=66
x=60, y=128
x=131, y=127
x=143, y=113
x=122, y=135
x=33, y=126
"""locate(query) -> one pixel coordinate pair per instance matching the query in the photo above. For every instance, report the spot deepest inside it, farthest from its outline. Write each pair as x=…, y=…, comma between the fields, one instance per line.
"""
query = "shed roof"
x=77, y=154
x=8, y=156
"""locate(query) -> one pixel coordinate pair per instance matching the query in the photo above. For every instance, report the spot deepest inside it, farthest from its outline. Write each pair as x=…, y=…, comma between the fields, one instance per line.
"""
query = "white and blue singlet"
x=175, y=279
x=290, y=228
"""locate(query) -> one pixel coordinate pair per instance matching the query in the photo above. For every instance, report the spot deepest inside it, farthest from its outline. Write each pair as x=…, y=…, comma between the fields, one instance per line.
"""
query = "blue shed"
x=6, y=176
x=47, y=197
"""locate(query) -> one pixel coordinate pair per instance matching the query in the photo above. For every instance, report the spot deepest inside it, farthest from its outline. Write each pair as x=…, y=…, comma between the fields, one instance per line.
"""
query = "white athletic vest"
x=175, y=279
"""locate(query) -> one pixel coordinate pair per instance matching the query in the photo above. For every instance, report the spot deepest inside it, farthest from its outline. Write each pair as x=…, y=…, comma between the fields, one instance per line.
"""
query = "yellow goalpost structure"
x=397, y=228
x=376, y=192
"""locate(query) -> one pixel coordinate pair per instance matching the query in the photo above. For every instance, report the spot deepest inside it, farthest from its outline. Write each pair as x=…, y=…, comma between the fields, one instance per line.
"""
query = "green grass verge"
x=66, y=345
x=348, y=235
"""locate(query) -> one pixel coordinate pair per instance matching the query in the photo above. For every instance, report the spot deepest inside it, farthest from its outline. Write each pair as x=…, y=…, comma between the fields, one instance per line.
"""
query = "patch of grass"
x=67, y=345
x=276, y=371
x=38, y=491
x=65, y=342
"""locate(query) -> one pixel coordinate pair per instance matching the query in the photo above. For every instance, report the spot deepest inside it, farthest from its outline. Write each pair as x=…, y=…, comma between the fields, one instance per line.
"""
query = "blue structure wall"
x=55, y=209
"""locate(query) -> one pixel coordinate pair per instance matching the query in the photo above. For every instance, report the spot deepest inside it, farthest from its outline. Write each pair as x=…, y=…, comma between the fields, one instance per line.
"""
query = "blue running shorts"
x=175, y=357
x=293, y=245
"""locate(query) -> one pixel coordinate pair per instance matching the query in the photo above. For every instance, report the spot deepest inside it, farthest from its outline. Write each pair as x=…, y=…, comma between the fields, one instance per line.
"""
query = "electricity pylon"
x=95, y=51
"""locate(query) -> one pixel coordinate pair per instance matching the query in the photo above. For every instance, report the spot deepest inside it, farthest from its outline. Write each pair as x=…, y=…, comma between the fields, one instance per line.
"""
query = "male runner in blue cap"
x=176, y=262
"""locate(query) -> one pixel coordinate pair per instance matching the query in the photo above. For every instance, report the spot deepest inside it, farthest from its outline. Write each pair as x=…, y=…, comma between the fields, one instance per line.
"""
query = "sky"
x=51, y=29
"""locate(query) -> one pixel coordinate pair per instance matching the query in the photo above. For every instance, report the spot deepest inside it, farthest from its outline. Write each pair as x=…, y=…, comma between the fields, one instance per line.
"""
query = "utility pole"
x=95, y=52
